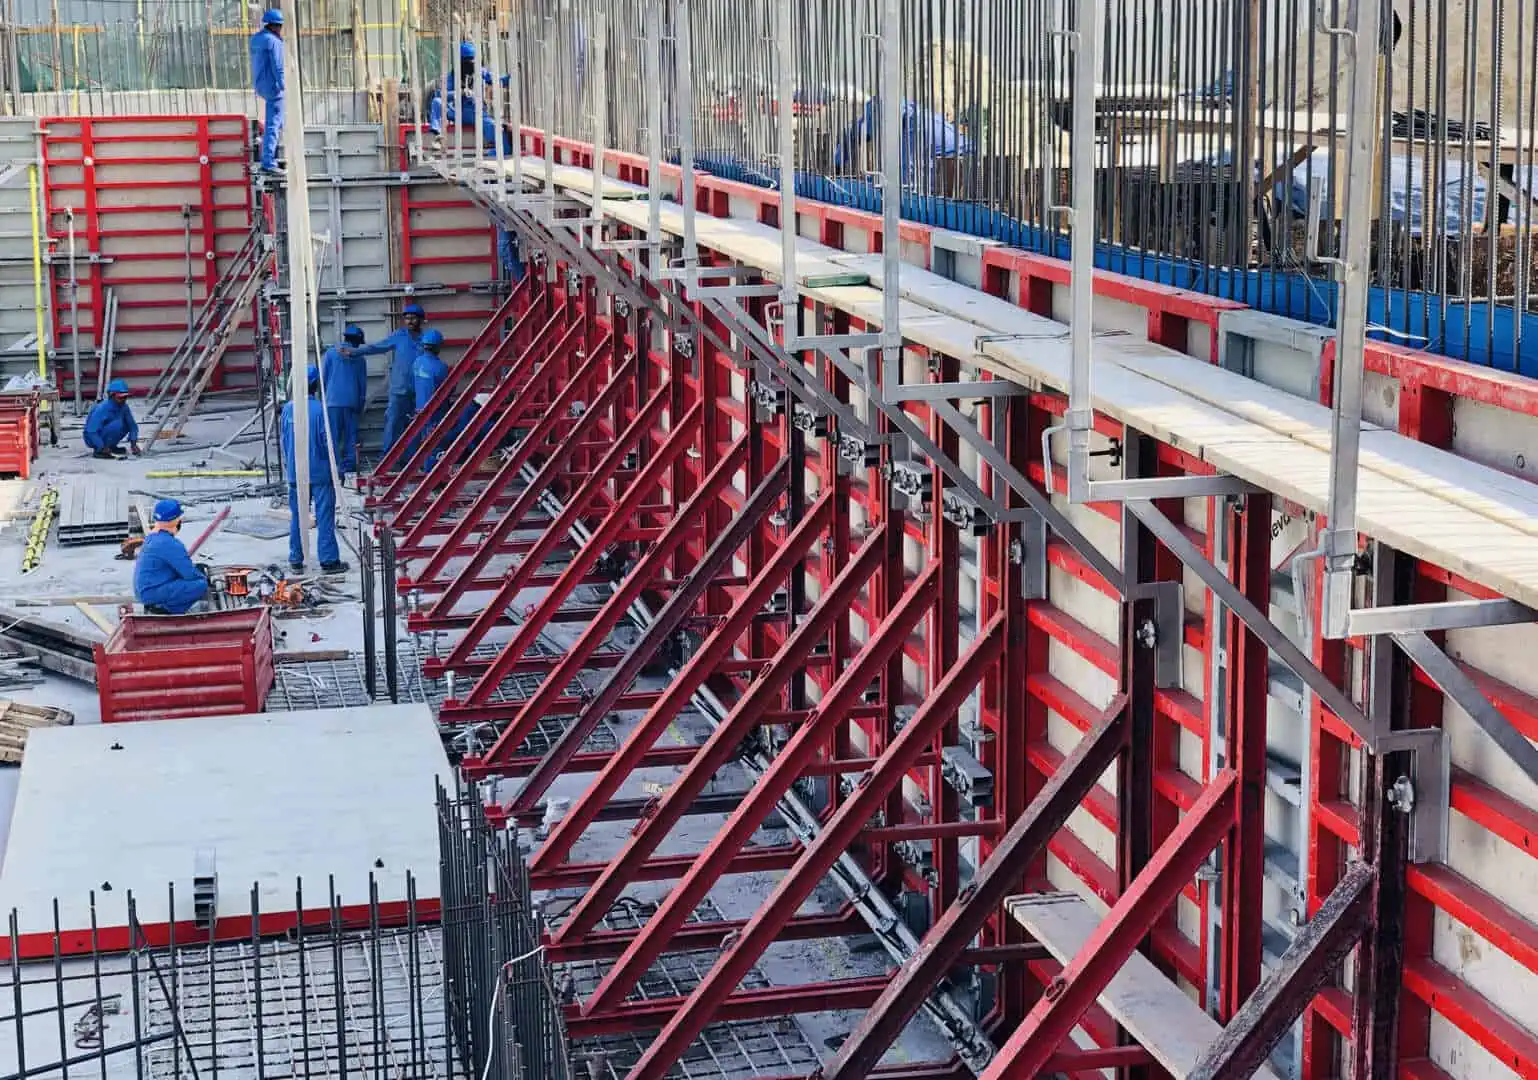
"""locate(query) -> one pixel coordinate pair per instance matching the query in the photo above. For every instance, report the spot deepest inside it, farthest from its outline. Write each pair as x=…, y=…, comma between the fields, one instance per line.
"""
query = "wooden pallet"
x=17, y=720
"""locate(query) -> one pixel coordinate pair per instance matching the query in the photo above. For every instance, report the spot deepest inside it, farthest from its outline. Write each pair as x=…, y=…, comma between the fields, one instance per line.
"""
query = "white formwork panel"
x=277, y=797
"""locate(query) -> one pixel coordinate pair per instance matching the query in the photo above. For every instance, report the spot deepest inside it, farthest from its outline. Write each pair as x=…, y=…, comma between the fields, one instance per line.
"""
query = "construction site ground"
x=92, y=573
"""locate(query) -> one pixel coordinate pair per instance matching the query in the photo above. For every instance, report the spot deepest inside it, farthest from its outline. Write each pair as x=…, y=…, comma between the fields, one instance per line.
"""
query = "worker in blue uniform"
x=427, y=373
x=464, y=111
x=931, y=146
x=165, y=580
x=322, y=491
x=110, y=421
x=345, y=376
x=267, y=80
x=405, y=343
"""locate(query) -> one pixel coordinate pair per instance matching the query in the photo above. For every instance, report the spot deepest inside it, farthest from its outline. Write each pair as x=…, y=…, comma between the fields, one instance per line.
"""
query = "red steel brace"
x=723, y=742
x=884, y=643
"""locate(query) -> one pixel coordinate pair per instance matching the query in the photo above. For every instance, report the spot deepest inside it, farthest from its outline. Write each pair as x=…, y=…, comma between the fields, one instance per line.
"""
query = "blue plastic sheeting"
x=1479, y=333
x=1408, y=195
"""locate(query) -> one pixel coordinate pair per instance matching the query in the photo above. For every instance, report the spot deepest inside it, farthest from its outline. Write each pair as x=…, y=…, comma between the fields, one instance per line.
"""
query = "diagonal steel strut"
x=760, y=502
x=842, y=829
x=699, y=668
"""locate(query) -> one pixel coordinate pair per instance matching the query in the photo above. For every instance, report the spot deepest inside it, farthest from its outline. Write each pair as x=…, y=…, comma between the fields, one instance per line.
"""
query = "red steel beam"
x=518, y=578
x=607, y=944
x=511, y=398
x=1000, y=875
x=1130, y=919
x=531, y=493
x=843, y=827
x=723, y=742
x=668, y=867
x=641, y=577
x=581, y=561
x=716, y=559
x=885, y=642
x=470, y=519
x=467, y=360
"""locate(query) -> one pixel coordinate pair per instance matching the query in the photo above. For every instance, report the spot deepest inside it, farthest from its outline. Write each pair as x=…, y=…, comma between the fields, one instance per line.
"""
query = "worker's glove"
x=203, y=569
x=134, y=448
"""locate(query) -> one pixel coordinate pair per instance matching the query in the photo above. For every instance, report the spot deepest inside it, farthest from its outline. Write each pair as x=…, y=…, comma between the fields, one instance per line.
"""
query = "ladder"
x=181, y=384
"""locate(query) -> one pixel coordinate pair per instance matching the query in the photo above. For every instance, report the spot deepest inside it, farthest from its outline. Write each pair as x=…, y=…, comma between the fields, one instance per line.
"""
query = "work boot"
x=338, y=567
x=272, y=172
x=296, y=567
x=104, y=455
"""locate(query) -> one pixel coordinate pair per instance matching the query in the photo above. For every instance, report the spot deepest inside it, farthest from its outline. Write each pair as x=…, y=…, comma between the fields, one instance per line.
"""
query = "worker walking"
x=322, y=491
x=267, y=80
x=166, y=581
x=405, y=343
x=110, y=421
x=344, y=375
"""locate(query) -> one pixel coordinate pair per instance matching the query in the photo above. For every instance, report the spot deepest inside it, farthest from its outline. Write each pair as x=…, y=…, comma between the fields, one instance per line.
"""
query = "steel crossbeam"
x=757, y=1004
x=842, y=829
x=716, y=559
x=640, y=578
x=495, y=492
x=607, y=944
x=527, y=291
x=699, y=668
x=470, y=375
x=885, y=641
x=523, y=453
x=723, y=742
x=1133, y=915
x=518, y=577
x=510, y=400
x=581, y=561
x=1000, y=874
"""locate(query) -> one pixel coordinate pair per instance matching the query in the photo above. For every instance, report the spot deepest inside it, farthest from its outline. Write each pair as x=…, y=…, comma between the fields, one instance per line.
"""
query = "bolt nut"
x=1147, y=634
x=1401, y=795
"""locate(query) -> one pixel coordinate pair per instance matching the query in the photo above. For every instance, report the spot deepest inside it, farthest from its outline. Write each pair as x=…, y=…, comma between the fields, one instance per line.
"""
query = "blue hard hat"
x=432, y=339
x=272, y=17
x=353, y=334
x=466, y=50
x=168, y=510
x=413, y=309
x=312, y=373
x=117, y=386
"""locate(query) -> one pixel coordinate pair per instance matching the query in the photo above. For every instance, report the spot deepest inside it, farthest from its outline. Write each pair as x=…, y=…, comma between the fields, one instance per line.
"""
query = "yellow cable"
x=167, y=474
x=37, y=279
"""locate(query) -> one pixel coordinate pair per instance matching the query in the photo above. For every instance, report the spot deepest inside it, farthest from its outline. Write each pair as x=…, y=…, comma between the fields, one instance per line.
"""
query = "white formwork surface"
x=1426, y=502
x=327, y=795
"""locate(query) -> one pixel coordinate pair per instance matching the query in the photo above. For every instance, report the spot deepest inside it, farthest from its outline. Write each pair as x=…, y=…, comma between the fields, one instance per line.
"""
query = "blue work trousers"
x=343, y=422
x=398, y=415
x=271, y=131
x=323, y=499
x=507, y=252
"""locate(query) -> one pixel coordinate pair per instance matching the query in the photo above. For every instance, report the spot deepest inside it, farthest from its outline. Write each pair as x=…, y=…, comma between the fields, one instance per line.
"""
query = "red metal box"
x=159, y=667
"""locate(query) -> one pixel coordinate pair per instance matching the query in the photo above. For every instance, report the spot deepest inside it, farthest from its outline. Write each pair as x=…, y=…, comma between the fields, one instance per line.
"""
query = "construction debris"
x=95, y=512
x=53, y=646
x=17, y=720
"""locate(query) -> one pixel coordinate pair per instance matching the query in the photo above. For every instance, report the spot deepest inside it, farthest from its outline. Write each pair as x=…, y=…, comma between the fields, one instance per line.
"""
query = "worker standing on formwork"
x=267, y=80
x=109, y=422
x=344, y=374
x=166, y=581
x=322, y=491
x=405, y=343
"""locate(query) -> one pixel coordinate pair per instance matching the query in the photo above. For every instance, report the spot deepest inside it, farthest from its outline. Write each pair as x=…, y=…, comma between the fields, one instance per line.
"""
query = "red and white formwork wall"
x=962, y=679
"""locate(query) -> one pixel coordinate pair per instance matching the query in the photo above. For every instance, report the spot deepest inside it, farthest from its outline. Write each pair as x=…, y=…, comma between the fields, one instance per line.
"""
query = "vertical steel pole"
x=891, y=194
x=1339, y=546
x=1081, y=401
x=785, y=126
x=652, y=66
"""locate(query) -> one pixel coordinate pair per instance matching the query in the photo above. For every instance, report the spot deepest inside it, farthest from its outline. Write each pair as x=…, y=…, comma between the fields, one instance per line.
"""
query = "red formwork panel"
x=19, y=433
x=160, y=206
x=160, y=667
x=445, y=242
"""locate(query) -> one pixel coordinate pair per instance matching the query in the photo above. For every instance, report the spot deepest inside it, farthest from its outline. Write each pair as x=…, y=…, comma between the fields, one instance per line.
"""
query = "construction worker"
x=345, y=376
x=427, y=372
x=405, y=343
x=165, y=580
x=267, y=80
x=930, y=146
x=466, y=110
x=322, y=491
x=110, y=422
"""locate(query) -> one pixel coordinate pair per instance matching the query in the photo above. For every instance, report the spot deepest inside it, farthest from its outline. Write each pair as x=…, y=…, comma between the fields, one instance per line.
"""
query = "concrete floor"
x=93, y=571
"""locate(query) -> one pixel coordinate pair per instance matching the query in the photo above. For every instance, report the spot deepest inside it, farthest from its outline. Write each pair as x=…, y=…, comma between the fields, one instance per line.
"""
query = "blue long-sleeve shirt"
x=405, y=345
x=926, y=136
x=267, y=64
x=427, y=372
x=109, y=423
x=164, y=576
x=320, y=457
x=345, y=379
